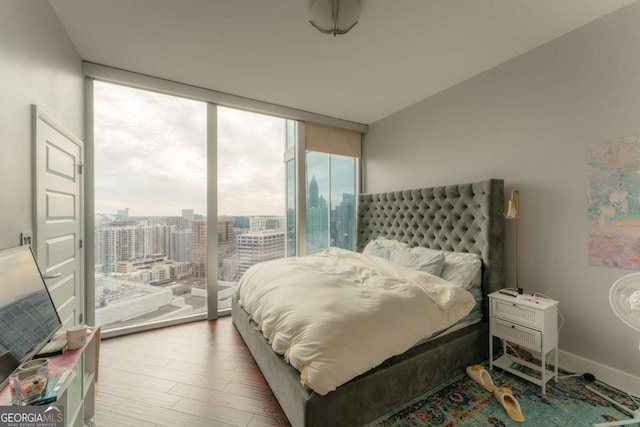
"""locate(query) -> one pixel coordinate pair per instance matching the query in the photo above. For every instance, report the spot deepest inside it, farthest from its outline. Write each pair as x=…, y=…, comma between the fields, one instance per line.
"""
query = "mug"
x=76, y=337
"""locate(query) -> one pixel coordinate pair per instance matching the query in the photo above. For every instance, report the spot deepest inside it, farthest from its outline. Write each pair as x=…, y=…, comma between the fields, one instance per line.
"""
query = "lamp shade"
x=334, y=16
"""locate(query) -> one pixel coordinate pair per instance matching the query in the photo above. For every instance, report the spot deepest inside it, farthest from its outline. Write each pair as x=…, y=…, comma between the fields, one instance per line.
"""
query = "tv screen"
x=28, y=318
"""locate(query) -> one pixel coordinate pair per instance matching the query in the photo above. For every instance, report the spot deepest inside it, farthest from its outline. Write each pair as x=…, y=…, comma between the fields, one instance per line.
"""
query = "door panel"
x=60, y=251
x=60, y=162
x=60, y=206
x=63, y=291
x=58, y=233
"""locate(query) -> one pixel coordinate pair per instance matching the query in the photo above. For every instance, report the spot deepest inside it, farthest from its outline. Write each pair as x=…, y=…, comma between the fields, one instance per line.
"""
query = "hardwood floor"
x=194, y=375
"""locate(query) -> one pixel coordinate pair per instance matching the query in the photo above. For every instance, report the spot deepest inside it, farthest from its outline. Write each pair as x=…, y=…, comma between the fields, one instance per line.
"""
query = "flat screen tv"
x=28, y=318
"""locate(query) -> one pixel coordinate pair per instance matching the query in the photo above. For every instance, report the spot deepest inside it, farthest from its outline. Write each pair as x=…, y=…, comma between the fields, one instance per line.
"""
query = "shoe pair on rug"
x=504, y=395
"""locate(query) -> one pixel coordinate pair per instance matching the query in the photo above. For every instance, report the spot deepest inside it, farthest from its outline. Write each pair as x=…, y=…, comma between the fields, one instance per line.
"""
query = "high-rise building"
x=313, y=193
x=115, y=243
x=226, y=242
x=317, y=219
x=265, y=241
x=263, y=223
x=181, y=245
x=343, y=223
x=199, y=248
x=126, y=240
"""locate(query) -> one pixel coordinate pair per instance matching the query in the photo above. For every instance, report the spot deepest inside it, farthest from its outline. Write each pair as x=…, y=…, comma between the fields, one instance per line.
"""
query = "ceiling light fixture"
x=334, y=16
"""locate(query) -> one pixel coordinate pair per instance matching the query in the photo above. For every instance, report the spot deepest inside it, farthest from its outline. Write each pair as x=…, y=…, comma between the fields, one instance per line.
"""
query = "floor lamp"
x=513, y=212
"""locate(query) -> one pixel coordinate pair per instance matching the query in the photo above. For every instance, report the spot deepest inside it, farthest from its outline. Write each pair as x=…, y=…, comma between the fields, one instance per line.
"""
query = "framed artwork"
x=614, y=203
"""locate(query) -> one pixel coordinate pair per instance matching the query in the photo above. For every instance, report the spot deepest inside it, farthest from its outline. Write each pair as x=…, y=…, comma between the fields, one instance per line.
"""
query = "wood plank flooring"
x=194, y=375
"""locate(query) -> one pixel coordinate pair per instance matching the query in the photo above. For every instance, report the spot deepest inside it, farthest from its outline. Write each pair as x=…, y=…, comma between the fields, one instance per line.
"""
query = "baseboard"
x=618, y=379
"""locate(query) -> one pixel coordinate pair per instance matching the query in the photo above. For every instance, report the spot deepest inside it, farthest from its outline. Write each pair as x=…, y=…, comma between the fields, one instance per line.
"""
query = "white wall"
x=529, y=121
x=38, y=65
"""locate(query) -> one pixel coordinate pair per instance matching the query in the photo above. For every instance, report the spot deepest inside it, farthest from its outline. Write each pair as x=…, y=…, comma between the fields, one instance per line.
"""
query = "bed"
x=455, y=218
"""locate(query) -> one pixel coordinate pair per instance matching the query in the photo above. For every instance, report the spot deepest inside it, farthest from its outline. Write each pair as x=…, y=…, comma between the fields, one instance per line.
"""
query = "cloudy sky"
x=150, y=156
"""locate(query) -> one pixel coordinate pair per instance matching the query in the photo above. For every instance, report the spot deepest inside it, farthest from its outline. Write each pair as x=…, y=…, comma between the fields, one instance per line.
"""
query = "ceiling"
x=399, y=53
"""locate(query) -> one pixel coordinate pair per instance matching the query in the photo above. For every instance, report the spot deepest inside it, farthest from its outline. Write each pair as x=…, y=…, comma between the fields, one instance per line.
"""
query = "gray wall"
x=529, y=121
x=38, y=65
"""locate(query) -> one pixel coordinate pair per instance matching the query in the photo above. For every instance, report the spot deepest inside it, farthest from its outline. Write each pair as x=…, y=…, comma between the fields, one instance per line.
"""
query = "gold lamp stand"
x=513, y=212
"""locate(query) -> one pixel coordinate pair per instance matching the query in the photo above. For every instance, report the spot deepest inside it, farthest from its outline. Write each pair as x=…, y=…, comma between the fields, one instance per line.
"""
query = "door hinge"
x=81, y=167
x=80, y=244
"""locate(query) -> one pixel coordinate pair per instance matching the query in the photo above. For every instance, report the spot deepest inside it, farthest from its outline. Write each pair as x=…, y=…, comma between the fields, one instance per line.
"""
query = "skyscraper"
x=265, y=241
x=199, y=247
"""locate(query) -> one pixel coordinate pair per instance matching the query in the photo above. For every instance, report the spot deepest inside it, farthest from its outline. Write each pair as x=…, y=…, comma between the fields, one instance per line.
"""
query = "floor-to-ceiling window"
x=251, y=195
x=150, y=234
x=188, y=194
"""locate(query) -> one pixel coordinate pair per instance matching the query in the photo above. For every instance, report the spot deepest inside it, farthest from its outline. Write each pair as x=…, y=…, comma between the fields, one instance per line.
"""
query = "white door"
x=58, y=236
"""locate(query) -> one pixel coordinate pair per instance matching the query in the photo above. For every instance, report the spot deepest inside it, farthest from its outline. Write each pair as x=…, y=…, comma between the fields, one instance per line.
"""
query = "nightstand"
x=530, y=323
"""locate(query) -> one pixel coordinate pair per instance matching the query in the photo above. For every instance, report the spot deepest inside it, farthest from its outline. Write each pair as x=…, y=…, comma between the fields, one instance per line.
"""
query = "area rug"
x=463, y=402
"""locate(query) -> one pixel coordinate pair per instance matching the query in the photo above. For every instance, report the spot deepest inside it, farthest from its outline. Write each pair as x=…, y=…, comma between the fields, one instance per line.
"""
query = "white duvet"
x=337, y=314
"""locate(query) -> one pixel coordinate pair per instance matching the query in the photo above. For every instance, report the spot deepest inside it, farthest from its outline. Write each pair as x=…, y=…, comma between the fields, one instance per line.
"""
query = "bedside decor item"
x=334, y=16
x=513, y=212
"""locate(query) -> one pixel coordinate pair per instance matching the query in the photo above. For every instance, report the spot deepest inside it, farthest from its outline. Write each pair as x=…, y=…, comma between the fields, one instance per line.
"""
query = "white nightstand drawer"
x=518, y=312
x=517, y=334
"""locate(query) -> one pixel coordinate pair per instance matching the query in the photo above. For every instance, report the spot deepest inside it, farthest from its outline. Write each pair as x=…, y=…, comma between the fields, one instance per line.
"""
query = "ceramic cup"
x=76, y=337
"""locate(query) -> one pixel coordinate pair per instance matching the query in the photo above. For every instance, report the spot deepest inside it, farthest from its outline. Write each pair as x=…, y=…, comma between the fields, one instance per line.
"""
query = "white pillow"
x=460, y=268
x=463, y=269
x=382, y=247
x=428, y=263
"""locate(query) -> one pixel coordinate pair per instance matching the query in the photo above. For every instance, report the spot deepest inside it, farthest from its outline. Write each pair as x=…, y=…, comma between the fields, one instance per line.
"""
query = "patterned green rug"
x=463, y=402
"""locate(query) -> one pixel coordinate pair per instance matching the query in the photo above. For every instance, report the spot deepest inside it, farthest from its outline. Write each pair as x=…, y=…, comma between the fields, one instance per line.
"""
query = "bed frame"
x=460, y=218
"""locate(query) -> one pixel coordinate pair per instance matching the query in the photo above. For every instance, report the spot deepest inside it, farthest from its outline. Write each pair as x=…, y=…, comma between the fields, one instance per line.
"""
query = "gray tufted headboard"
x=458, y=218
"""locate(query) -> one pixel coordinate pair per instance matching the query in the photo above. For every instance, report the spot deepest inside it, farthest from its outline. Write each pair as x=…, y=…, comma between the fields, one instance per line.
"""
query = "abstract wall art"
x=614, y=203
